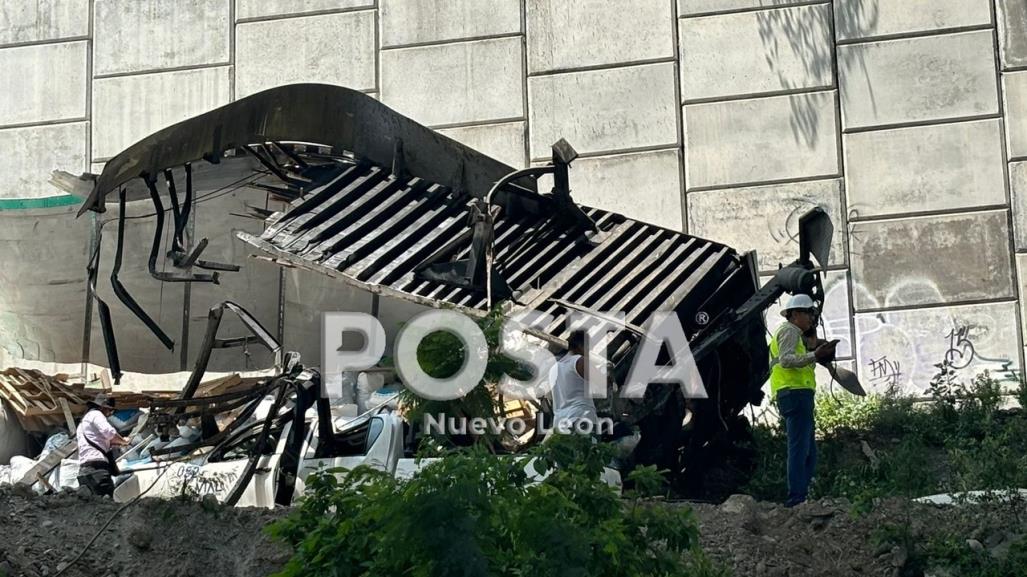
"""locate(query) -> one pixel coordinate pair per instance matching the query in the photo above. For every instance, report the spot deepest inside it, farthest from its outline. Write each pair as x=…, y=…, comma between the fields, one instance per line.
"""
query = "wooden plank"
x=69, y=393
x=69, y=420
x=105, y=379
x=48, y=463
x=17, y=401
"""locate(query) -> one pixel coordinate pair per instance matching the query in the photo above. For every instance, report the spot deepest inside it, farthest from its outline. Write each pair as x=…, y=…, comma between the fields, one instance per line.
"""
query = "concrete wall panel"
x=566, y=34
x=859, y=19
x=1012, y=25
x=756, y=52
x=270, y=8
x=760, y=140
x=504, y=142
x=931, y=260
x=918, y=79
x=454, y=83
x=766, y=218
x=645, y=186
x=136, y=36
x=129, y=108
x=901, y=348
x=406, y=22
x=331, y=49
x=692, y=7
x=1021, y=276
x=46, y=82
x=1018, y=192
x=603, y=110
x=1015, y=93
x=34, y=152
x=42, y=286
x=925, y=168
x=33, y=21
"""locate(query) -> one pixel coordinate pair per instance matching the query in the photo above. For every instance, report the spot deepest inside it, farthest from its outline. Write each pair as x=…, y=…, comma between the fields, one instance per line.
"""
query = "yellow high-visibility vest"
x=782, y=378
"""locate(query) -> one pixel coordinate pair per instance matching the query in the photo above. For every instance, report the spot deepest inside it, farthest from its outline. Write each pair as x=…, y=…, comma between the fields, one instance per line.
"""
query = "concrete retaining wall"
x=905, y=119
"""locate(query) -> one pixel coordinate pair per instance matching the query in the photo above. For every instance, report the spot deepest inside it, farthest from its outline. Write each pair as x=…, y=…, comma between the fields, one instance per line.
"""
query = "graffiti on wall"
x=902, y=349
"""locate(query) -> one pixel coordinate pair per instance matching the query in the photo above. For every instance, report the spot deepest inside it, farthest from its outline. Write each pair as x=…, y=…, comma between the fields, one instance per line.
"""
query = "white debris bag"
x=68, y=474
x=19, y=467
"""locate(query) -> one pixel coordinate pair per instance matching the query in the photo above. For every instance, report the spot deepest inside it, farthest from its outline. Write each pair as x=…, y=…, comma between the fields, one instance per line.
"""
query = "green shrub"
x=441, y=354
x=960, y=440
x=474, y=513
x=845, y=411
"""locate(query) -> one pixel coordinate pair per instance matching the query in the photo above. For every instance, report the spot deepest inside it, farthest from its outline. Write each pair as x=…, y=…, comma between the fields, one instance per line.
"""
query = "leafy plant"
x=845, y=411
x=474, y=513
x=442, y=354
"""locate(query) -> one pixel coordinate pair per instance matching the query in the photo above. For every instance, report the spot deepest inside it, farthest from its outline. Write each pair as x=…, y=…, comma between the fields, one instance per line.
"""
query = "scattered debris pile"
x=47, y=407
x=44, y=402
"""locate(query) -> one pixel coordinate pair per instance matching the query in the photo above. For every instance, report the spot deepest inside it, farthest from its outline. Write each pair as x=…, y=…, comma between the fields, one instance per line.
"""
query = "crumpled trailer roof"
x=376, y=198
x=377, y=231
x=383, y=203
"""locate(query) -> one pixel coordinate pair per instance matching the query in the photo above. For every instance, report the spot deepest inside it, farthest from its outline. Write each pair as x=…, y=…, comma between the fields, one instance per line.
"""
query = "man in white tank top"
x=571, y=401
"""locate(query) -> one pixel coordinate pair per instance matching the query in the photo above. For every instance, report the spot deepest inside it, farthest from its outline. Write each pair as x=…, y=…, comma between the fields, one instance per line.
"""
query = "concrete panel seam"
x=373, y=7
x=45, y=123
x=524, y=82
x=171, y=69
x=1014, y=270
x=450, y=41
x=680, y=117
x=597, y=67
x=755, y=95
x=920, y=123
x=44, y=42
x=928, y=213
x=917, y=34
x=733, y=185
x=615, y=151
x=471, y=123
x=753, y=9
x=231, y=49
x=843, y=187
x=377, y=49
x=954, y=304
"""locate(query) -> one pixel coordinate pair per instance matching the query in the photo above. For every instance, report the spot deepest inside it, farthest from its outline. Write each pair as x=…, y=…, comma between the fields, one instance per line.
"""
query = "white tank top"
x=570, y=392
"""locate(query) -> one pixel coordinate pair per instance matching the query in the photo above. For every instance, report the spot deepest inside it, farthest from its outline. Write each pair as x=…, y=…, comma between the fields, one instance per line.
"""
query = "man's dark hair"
x=576, y=341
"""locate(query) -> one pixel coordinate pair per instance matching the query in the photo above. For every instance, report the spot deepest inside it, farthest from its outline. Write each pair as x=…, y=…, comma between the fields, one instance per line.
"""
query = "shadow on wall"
x=807, y=38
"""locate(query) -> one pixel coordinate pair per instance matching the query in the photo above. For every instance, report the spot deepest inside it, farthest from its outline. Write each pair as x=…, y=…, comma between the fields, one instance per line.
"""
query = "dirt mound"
x=38, y=535
x=826, y=537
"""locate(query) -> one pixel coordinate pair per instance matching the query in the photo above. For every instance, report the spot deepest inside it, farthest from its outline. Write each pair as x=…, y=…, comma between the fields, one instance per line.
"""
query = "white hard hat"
x=797, y=302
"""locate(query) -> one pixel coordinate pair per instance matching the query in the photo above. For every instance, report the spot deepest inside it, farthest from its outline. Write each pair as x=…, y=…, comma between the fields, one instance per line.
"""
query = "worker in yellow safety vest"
x=792, y=386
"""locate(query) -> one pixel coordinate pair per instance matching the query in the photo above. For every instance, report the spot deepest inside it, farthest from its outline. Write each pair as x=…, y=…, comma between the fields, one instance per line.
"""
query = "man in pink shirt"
x=95, y=438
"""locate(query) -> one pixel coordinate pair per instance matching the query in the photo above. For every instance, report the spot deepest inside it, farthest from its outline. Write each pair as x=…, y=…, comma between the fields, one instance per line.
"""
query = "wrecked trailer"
x=385, y=204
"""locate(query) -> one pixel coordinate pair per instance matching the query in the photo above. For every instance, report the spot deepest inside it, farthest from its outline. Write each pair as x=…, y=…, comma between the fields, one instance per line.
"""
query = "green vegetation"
x=475, y=513
x=953, y=554
x=960, y=440
x=442, y=354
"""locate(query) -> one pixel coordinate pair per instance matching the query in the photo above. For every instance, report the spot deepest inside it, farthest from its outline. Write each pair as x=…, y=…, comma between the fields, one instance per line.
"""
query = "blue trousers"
x=796, y=406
